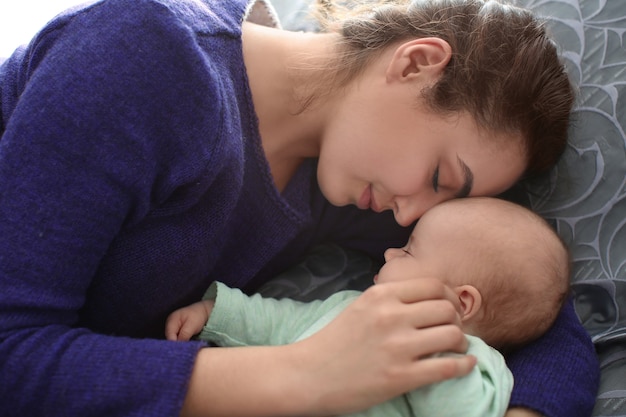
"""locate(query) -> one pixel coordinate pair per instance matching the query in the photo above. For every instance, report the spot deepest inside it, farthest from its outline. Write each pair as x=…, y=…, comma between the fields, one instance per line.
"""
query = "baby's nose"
x=391, y=253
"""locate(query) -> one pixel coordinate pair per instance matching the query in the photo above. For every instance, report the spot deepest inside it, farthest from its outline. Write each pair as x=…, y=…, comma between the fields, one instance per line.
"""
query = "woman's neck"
x=288, y=135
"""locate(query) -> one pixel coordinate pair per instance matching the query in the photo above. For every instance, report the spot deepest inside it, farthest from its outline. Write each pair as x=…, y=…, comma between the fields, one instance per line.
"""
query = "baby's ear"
x=471, y=300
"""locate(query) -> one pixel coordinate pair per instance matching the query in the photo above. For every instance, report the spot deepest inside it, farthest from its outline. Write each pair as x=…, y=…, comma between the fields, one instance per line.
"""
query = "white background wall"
x=21, y=19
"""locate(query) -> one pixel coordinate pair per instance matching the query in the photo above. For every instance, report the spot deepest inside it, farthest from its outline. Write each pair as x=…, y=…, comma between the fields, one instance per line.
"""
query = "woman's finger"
x=439, y=368
x=412, y=344
x=430, y=313
x=434, y=340
x=415, y=290
x=394, y=306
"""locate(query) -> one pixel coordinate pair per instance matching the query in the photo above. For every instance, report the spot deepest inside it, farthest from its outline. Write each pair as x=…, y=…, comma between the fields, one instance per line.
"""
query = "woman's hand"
x=521, y=412
x=188, y=321
x=381, y=346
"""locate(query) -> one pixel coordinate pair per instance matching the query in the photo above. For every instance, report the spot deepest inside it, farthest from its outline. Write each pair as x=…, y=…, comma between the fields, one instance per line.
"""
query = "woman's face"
x=383, y=151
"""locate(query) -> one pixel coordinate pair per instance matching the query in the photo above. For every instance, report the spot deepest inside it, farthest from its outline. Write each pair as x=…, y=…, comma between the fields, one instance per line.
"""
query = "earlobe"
x=419, y=57
x=471, y=301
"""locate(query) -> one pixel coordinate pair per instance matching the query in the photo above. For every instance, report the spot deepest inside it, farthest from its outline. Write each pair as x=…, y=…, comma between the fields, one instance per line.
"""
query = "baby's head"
x=506, y=264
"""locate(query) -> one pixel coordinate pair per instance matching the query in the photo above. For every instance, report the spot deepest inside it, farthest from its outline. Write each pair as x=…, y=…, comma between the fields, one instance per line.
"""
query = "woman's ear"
x=425, y=57
x=471, y=301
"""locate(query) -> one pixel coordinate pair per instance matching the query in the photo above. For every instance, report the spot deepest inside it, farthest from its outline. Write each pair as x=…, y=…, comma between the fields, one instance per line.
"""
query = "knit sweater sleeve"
x=79, y=161
x=558, y=375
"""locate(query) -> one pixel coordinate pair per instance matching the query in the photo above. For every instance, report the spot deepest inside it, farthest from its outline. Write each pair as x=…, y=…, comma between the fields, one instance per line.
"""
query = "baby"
x=507, y=266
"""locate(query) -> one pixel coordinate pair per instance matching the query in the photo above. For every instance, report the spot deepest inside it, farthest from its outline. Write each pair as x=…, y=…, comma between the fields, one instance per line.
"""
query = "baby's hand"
x=188, y=321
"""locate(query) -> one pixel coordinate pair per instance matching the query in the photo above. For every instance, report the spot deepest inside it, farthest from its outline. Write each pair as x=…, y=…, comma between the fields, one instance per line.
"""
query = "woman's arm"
x=94, y=117
x=521, y=412
x=558, y=375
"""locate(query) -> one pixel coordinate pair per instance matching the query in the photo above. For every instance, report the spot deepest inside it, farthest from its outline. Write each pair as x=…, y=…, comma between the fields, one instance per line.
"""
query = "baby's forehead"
x=457, y=218
x=480, y=211
x=478, y=228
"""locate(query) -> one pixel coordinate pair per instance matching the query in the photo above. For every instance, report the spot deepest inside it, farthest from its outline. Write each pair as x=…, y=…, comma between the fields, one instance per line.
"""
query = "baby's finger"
x=171, y=333
x=171, y=328
x=186, y=332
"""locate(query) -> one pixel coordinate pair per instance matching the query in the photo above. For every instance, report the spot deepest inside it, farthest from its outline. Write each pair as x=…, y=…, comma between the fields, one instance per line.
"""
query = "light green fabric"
x=239, y=320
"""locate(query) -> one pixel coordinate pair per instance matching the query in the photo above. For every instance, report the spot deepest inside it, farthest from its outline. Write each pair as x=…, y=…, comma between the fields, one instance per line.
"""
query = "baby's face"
x=433, y=250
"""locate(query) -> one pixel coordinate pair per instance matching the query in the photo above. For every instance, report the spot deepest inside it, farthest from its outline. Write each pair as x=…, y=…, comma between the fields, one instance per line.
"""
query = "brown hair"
x=505, y=70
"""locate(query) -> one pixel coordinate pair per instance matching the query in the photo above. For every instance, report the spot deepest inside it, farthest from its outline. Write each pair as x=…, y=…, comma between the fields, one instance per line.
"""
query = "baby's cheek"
x=391, y=273
x=385, y=274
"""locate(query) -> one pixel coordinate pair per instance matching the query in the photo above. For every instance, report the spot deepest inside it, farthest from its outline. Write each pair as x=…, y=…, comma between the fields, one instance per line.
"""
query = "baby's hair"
x=518, y=312
x=505, y=70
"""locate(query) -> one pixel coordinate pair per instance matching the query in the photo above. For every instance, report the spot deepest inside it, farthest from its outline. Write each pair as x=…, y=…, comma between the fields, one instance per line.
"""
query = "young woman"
x=150, y=147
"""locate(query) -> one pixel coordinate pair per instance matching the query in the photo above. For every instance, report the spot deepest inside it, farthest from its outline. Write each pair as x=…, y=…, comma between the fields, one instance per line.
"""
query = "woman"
x=151, y=147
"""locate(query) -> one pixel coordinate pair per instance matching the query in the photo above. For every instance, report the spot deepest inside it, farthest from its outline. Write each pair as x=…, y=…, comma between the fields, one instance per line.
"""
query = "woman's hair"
x=505, y=71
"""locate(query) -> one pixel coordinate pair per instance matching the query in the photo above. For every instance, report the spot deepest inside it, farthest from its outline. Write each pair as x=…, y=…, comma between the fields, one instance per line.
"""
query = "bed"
x=584, y=197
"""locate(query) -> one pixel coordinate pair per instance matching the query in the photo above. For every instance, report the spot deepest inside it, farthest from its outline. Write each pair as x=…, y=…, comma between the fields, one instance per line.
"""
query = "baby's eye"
x=406, y=251
x=435, y=179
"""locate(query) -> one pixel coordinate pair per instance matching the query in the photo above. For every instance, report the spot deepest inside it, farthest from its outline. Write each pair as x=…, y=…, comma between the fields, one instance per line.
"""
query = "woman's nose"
x=408, y=209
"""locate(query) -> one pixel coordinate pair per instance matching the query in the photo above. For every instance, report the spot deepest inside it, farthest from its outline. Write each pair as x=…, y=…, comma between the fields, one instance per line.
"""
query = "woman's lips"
x=374, y=204
x=366, y=198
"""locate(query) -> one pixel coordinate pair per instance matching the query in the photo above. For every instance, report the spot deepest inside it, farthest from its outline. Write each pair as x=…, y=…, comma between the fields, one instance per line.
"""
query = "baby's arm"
x=240, y=320
x=188, y=321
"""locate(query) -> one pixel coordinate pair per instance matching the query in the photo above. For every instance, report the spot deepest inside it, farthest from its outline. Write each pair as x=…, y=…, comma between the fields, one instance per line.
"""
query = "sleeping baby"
x=506, y=265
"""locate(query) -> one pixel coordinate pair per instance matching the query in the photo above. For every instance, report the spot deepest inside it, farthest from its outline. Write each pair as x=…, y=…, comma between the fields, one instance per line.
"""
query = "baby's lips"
x=375, y=278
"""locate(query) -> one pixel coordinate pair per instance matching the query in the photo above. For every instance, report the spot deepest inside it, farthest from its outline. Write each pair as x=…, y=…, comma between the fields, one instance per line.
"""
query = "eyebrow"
x=469, y=179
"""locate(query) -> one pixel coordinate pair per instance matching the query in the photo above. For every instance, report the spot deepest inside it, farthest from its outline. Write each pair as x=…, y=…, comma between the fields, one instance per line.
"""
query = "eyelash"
x=435, y=179
x=406, y=251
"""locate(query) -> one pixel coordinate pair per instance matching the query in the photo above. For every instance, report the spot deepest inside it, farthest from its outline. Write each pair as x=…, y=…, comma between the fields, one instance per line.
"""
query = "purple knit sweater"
x=131, y=176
